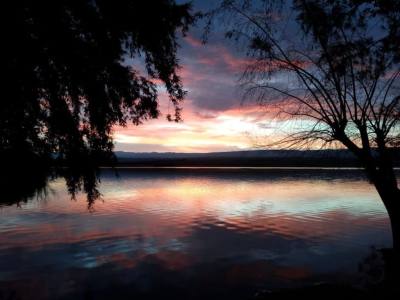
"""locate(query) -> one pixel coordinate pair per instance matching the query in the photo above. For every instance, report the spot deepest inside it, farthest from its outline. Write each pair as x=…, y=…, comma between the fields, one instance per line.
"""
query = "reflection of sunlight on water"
x=297, y=225
x=287, y=206
x=194, y=196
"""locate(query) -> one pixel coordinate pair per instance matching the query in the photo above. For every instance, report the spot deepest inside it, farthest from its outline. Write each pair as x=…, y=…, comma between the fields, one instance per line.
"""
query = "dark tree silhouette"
x=335, y=67
x=69, y=74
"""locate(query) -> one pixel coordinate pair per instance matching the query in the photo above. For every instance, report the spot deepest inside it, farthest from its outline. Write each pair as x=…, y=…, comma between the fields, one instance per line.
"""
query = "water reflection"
x=188, y=232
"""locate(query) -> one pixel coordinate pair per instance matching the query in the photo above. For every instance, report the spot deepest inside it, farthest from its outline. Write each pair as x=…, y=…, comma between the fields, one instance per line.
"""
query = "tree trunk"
x=380, y=170
x=390, y=196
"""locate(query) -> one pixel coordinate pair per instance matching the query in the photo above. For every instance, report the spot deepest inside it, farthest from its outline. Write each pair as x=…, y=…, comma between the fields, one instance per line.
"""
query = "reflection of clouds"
x=189, y=223
x=168, y=207
x=273, y=197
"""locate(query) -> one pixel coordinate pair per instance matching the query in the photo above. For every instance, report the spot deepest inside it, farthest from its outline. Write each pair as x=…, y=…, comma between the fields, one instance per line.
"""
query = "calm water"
x=188, y=233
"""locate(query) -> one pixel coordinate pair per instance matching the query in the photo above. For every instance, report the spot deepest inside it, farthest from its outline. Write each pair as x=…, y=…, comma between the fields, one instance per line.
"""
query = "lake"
x=187, y=233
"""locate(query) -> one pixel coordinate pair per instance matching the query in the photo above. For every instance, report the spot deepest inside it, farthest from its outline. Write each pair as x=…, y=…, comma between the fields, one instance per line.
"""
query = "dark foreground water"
x=191, y=233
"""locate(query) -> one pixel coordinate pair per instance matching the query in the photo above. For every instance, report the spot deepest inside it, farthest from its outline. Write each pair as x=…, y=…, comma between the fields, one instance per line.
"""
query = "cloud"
x=206, y=115
x=214, y=115
x=138, y=147
x=210, y=73
x=193, y=41
x=201, y=131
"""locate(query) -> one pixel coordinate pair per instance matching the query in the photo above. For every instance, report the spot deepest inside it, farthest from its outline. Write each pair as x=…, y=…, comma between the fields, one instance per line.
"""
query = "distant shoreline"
x=232, y=168
x=291, y=159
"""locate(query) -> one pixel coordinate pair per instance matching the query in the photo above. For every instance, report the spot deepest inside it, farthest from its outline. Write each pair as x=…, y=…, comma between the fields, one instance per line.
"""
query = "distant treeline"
x=256, y=158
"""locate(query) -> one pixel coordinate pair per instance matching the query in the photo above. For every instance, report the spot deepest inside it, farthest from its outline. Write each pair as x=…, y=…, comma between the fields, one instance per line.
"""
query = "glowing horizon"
x=214, y=115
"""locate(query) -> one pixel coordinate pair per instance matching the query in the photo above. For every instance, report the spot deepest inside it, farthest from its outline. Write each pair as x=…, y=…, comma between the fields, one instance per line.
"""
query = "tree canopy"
x=332, y=62
x=73, y=69
x=334, y=66
x=69, y=75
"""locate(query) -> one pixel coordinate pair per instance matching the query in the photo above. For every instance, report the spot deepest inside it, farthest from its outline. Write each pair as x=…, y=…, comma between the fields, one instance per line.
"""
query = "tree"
x=68, y=81
x=335, y=65
x=69, y=75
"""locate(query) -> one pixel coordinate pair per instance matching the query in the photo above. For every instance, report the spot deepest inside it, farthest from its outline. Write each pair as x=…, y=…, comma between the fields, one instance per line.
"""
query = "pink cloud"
x=221, y=56
x=193, y=41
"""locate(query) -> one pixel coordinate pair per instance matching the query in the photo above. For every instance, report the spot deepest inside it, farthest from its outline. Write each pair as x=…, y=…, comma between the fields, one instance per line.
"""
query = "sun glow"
x=225, y=131
x=214, y=116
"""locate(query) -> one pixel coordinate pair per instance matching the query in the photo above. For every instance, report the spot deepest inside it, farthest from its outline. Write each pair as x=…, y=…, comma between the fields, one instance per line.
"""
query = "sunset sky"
x=214, y=116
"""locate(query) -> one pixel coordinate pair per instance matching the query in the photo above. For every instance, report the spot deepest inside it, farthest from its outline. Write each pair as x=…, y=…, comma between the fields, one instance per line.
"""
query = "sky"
x=215, y=116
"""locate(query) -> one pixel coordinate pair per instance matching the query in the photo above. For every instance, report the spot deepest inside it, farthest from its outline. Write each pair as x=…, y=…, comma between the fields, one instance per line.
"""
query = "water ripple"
x=187, y=222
